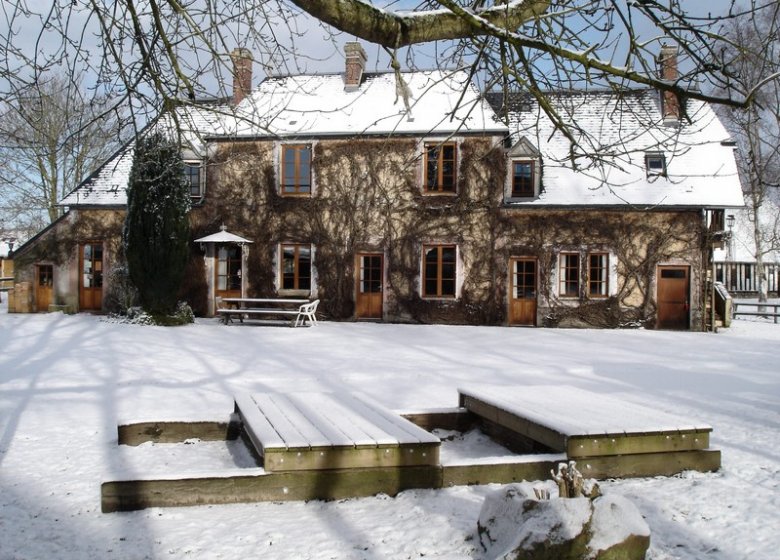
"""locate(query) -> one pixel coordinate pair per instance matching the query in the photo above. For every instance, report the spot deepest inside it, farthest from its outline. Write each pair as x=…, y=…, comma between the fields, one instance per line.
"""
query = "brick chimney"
x=670, y=103
x=355, y=65
x=242, y=74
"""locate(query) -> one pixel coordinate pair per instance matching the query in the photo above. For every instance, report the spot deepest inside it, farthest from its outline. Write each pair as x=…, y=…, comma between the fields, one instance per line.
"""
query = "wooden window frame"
x=601, y=283
x=437, y=185
x=296, y=286
x=192, y=164
x=301, y=183
x=439, y=292
x=563, y=277
x=532, y=191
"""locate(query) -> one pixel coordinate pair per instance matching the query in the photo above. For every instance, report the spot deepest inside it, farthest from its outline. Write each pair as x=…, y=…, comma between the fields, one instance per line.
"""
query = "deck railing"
x=741, y=278
x=757, y=309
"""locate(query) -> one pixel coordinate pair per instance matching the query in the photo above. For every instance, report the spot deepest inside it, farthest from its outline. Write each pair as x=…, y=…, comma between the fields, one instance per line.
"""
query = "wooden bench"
x=316, y=431
x=298, y=317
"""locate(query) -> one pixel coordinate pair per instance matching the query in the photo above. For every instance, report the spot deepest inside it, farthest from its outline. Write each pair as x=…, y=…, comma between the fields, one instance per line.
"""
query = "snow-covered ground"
x=66, y=381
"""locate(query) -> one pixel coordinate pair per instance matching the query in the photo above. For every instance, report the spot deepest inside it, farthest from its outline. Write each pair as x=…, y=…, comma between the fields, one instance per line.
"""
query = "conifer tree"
x=156, y=231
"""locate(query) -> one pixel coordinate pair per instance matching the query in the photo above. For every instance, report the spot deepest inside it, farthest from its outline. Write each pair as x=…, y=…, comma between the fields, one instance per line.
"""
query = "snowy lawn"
x=66, y=381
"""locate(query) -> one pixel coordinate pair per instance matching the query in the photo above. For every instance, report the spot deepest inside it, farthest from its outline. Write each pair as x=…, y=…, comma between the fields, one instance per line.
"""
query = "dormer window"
x=195, y=178
x=523, y=179
x=296, y=169
x=524, y=172
x=655, y=164
x=440, y=161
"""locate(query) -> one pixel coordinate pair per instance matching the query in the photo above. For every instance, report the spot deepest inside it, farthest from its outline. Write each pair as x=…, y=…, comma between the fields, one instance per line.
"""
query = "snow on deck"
x=577, y=412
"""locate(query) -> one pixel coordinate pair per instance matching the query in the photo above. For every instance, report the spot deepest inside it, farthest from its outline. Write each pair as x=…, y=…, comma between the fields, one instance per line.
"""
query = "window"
x=440, y=162
x=522, y=179
x=655, y=163
x=194, y=178
x=569, y=280
x=439, y=270
x=598, y=275
x=229, y=268
x=296, y=267
x=296, y=169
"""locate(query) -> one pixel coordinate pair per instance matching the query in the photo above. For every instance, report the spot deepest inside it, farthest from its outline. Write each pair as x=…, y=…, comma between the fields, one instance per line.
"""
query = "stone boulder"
x=515, y=525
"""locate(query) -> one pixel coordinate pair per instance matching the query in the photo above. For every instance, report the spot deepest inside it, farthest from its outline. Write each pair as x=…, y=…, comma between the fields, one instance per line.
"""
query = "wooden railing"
x=741, y=277
x=761, y=309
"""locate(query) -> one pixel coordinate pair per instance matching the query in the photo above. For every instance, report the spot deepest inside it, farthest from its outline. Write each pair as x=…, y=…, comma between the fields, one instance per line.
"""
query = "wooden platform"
x=606, y=435
x=317, y=431
x=340, y=445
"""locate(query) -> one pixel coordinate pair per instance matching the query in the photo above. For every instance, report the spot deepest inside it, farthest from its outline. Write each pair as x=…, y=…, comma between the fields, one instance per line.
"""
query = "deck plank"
x=402, y=429
x=296, y=433
x=260, y=430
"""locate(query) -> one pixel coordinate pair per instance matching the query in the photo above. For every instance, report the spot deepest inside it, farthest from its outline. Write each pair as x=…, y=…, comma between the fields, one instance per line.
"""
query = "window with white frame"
x=195, y=178
x=596, y=268
x=569, y=274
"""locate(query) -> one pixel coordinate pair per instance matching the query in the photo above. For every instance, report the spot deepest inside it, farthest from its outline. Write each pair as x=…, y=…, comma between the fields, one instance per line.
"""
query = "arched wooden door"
x=369, y=270
x=673, y=291
x=522, y=291
x=91, y=277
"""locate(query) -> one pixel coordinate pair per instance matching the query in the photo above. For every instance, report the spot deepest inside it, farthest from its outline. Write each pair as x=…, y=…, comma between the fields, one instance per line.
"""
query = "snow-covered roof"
x=439, y=103
x=222, y=236
x=701, y=169
x=108, y=185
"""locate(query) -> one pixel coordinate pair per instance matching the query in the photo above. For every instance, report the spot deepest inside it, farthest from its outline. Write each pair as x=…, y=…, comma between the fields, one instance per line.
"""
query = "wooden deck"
x=608, y=436
x=316, y=431
x=340, y=445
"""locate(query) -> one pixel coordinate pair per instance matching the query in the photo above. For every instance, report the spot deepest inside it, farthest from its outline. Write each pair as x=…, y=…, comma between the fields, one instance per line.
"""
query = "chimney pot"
x=355, y=65
x=670, y=104
x=242, y=74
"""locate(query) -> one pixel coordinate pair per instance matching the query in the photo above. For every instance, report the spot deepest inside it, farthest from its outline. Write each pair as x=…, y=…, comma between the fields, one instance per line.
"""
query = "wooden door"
x=369, y=270
x=91, y=277
x=43, y=286
x=523, y=291
x=228, y=271
x=673, y=297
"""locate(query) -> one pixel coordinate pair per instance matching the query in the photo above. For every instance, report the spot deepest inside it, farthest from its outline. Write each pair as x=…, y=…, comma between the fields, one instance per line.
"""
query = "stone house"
x=421, y=199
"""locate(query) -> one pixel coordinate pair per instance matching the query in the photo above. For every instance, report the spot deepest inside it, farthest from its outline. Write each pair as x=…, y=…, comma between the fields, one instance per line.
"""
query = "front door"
x=673, y=297
x=369, y=270
x=43, y=286
x=522, y=294
x=228, y=271
x=91, y=277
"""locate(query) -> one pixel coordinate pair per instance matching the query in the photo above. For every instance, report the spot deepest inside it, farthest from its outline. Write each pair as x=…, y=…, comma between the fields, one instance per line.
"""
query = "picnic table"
x=299, y=310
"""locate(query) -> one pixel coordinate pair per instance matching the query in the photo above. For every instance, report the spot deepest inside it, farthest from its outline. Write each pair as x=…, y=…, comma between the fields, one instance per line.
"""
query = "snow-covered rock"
x=514, y=524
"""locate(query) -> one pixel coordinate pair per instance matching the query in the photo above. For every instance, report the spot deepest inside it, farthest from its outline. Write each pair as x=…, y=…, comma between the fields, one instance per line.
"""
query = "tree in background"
x=156, y=232
x=755, y=67
x=51, y=138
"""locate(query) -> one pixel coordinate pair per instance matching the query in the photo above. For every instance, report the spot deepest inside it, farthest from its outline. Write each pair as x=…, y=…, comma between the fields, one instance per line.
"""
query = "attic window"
x=523, y=179
x=655, y=164
x=195, y=178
